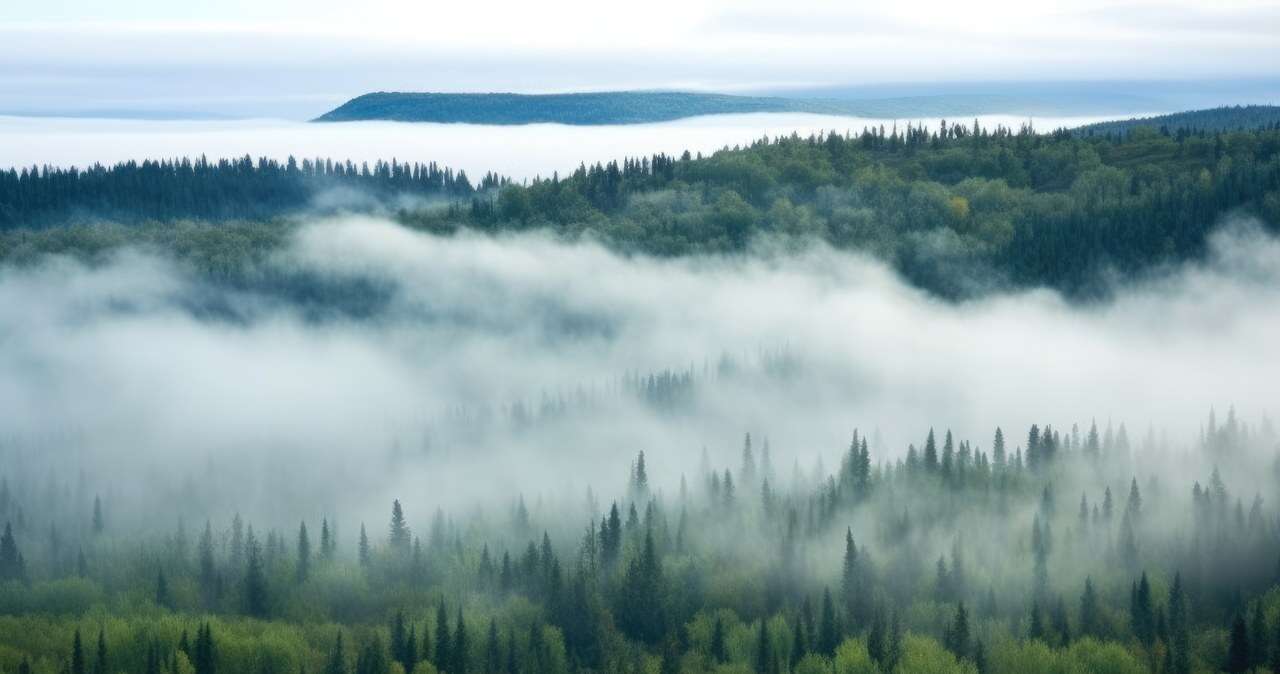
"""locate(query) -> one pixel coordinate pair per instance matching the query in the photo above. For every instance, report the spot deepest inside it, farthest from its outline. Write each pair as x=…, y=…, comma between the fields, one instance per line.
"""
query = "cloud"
x=491, y=367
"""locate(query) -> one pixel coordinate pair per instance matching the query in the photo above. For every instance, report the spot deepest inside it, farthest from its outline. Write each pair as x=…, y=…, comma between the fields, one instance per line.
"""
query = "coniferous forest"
x=957, y=210
x=755, y=411
x=1073, y=548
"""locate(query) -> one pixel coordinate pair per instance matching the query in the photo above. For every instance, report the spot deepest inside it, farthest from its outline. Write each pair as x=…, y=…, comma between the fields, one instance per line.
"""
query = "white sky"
x=236, y=54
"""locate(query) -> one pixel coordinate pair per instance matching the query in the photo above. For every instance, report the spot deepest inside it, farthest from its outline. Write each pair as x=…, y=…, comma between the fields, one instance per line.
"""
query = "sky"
x=295, y=59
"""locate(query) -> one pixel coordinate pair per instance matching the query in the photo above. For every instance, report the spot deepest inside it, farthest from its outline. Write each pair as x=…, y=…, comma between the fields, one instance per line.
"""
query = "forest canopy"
x=958, y=210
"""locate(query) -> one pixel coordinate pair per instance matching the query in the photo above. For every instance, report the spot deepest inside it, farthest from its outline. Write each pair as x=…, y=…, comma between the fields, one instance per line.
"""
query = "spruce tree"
x=100, y=663
x=443, y=640
x=828, y=632
x=337, y=657
x=1238, y=657
x=718, y=649
x=77, y=655
x=303, y=569
x=255, y=579
x=399, y=535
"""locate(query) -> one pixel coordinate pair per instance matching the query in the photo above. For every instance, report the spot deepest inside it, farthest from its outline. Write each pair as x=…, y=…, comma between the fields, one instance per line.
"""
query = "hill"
x=640, y=107
x=1231, y=118
x=618, y=107
x=956, y=210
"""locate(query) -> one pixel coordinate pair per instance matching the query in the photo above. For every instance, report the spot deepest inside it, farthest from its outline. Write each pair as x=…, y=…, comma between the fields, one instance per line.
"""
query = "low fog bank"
x=500, y=367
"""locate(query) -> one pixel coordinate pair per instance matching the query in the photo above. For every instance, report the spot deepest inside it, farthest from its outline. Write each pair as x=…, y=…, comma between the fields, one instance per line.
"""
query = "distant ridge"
x=1227, y=118
x=639, y=107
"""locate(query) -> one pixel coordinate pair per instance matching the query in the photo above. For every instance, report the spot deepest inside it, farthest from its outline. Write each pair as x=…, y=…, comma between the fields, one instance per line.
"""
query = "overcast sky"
x=291, y=57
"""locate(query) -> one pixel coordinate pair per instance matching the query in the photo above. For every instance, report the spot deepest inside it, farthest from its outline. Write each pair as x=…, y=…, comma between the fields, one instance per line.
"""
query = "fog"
x=519, y=152
x=486, y=368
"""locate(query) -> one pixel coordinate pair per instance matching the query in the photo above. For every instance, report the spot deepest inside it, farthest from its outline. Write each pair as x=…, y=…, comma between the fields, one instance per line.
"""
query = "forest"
x=959, y=210
x=1079, y=548
x=966, y=400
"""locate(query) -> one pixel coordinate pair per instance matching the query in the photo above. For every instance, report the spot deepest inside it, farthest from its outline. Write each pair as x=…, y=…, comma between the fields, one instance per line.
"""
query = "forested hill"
x=957, y=212
x=618, y=107
x=1229, y=118
x=638, y=107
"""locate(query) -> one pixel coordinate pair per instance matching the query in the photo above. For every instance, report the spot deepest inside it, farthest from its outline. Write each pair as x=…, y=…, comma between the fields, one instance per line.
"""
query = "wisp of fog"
x=491, y=366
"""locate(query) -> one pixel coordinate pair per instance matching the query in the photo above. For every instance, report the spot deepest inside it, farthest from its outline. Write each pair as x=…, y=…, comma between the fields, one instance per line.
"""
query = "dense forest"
x=1058, y=549
x=1227, y=118
x=957, y=210
x=451, y=476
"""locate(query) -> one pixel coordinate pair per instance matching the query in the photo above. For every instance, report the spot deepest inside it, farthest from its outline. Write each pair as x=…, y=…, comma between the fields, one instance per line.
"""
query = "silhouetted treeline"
x=235, y=189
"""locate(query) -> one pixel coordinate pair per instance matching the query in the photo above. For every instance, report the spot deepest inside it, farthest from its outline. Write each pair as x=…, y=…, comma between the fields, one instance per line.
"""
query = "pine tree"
x=77, y=655
x=326, y=540
x=492, y=650
x=365, y=554
x=1036, y=629
x=1090, y=611
x=11, y=563
x=764, y=649
x=1141, y=612
x=1238, y=656
x=304, y=554
x=444, y=641
x=718, y=651
x=208, y=569
x=337, y=658
x=828, y=632
x=99, y=523
x=162, y=590
x=399, y=536
x=399, y=639
x=100, y=664
x=255, y=579
x=1179, y=633
x=1258, y=636
x=461, y=649
x=931, y=453
x=204, y=659
x=957, y=636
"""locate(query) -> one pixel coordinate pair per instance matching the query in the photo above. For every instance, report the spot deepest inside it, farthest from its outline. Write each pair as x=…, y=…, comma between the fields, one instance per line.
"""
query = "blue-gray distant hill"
x=639, y=107
x=1228, y=118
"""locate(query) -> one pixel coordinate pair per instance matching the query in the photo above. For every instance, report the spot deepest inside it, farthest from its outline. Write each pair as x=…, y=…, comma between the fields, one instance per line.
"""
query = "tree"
x=828, y=630
x=957, y=636
x=304, y=554
x=365, y=554
x=1141, y=612
x=326, y=540
x=640, y=611
x=77, y=654
x=492, y=650
x=255, y=579
x=204, y=658
x=100, y=664
x=1090, y=611
x=764, y=660
x=930, y=453
x=337, y=657
x=399, y=537
x=461, y=650
x=162, y=590
x=12, y=566
x=1258, y=636
x=99, y=523
x=1179, y=634
x=443, y=659
x=208, y=568
x=1238, y=656
x=718, y=651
